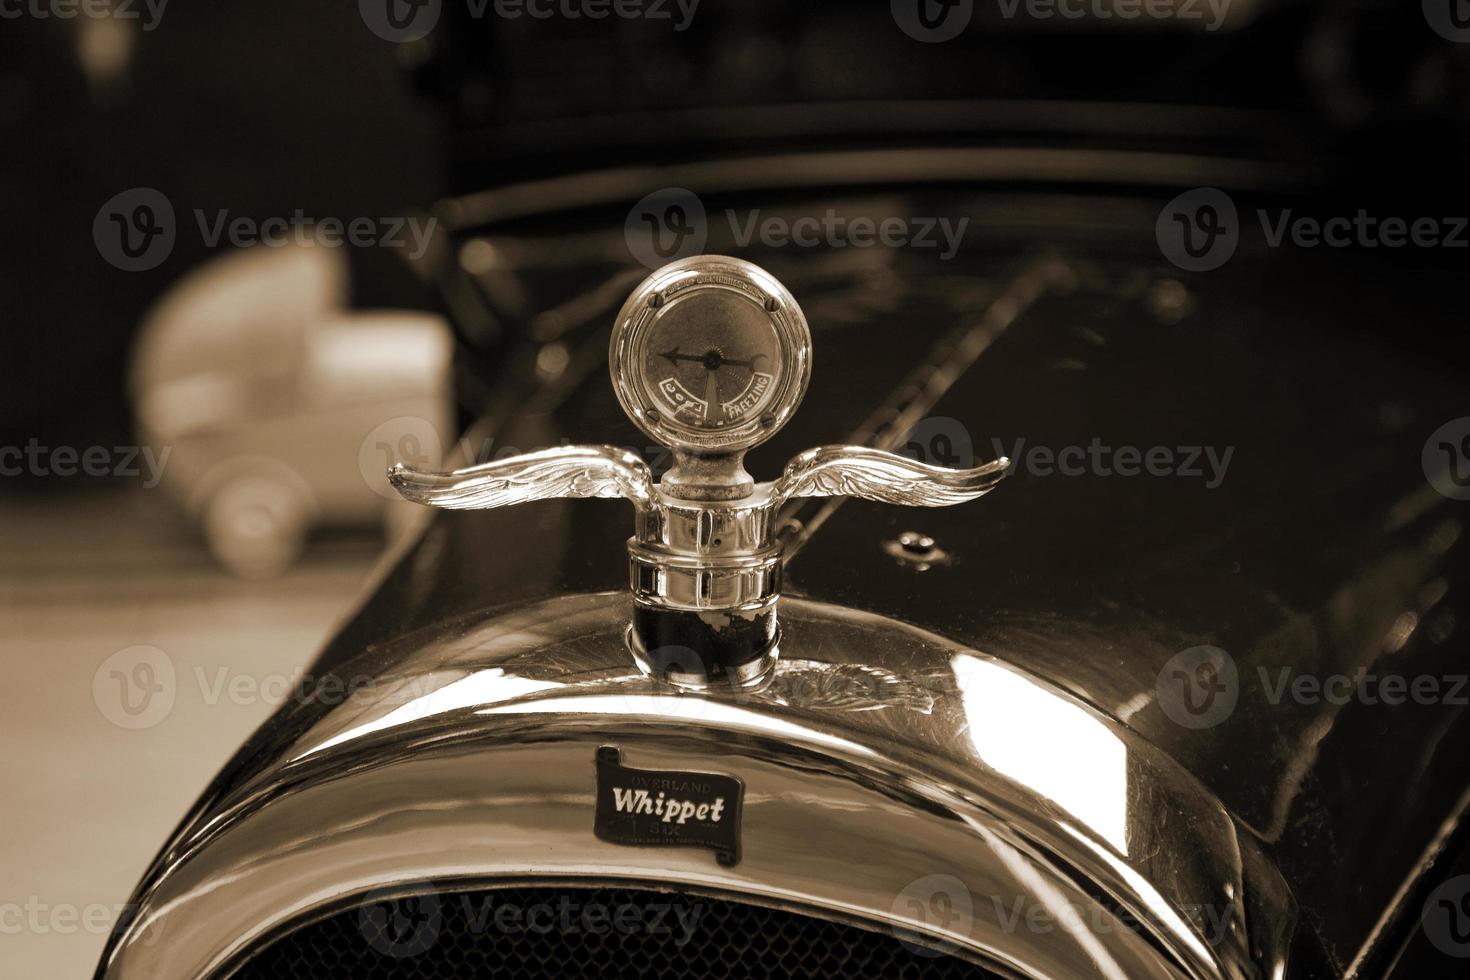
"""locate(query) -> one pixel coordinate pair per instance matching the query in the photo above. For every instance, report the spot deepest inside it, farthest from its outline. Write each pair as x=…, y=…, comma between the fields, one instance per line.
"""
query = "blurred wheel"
x=255, y=528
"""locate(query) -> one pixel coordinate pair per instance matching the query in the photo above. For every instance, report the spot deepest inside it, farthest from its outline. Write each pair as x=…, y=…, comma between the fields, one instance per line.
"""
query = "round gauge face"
x=714, y=360
x=710, y=354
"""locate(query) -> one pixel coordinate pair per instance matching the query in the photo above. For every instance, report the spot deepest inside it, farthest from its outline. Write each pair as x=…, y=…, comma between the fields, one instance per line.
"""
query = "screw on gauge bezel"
x=747, y=283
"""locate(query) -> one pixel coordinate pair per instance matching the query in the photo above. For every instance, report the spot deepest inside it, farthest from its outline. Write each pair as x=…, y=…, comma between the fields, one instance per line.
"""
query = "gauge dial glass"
x=713, y=360
x=710, y=355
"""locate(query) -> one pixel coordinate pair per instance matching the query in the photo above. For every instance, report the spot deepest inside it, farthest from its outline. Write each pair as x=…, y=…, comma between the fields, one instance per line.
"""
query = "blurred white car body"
x=280, y=409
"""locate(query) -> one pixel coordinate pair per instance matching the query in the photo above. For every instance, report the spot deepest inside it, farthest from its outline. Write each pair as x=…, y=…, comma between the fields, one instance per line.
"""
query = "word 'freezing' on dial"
x=711, y=355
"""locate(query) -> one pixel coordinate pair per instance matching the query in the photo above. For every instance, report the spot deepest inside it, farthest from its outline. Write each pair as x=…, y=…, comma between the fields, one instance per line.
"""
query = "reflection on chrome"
x=1161, y=912
x=711, y=713
x=481, y=687
x=1062, y=913
x=1048, y=744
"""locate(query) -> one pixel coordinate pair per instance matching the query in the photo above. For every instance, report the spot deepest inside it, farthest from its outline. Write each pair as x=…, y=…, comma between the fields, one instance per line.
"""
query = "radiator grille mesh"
x=567, y=933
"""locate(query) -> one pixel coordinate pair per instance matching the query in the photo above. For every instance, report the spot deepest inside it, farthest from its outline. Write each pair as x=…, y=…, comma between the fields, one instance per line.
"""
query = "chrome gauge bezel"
x=746, y=283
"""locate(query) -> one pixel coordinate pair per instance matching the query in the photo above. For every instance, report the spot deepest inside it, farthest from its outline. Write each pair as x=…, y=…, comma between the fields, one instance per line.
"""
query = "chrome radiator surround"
x=875, y=754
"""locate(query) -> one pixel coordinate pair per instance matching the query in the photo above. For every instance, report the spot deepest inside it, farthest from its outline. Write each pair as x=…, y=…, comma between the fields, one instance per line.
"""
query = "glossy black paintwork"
x=1323, y=534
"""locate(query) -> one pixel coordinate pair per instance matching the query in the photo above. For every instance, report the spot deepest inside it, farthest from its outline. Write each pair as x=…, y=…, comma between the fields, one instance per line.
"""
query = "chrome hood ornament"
x=710, y=356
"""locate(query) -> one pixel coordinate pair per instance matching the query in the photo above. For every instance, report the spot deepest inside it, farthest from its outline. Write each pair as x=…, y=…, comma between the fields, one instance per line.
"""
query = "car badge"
x=667, y=807
x=710, y=356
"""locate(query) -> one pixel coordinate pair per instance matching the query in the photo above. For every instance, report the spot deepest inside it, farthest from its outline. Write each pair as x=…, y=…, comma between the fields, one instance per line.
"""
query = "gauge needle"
x=712, y=361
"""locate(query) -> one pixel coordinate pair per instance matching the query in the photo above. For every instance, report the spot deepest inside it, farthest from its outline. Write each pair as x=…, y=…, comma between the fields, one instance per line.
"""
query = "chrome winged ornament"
x=710, y=356
x=856, y=471
x=572, y=471
x=607, y=471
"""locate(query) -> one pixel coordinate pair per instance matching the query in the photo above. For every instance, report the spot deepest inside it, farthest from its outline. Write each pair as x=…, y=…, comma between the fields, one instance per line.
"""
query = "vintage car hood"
x=1297, y=531
x=1294, y=529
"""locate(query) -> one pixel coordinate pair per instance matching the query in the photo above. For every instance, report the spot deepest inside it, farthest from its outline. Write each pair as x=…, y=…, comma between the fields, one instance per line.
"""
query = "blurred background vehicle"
x=281, y=409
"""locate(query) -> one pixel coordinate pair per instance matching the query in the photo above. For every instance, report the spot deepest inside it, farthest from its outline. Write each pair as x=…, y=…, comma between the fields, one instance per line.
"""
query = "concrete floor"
x=94, y=776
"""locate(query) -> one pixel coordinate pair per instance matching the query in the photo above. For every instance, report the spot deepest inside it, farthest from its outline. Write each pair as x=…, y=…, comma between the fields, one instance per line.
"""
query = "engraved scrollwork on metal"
x=853, y=687
x=710, y=356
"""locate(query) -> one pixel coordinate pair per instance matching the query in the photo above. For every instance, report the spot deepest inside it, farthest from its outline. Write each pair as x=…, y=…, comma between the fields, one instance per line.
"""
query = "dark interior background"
x=272, y=106
x=259, y=108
